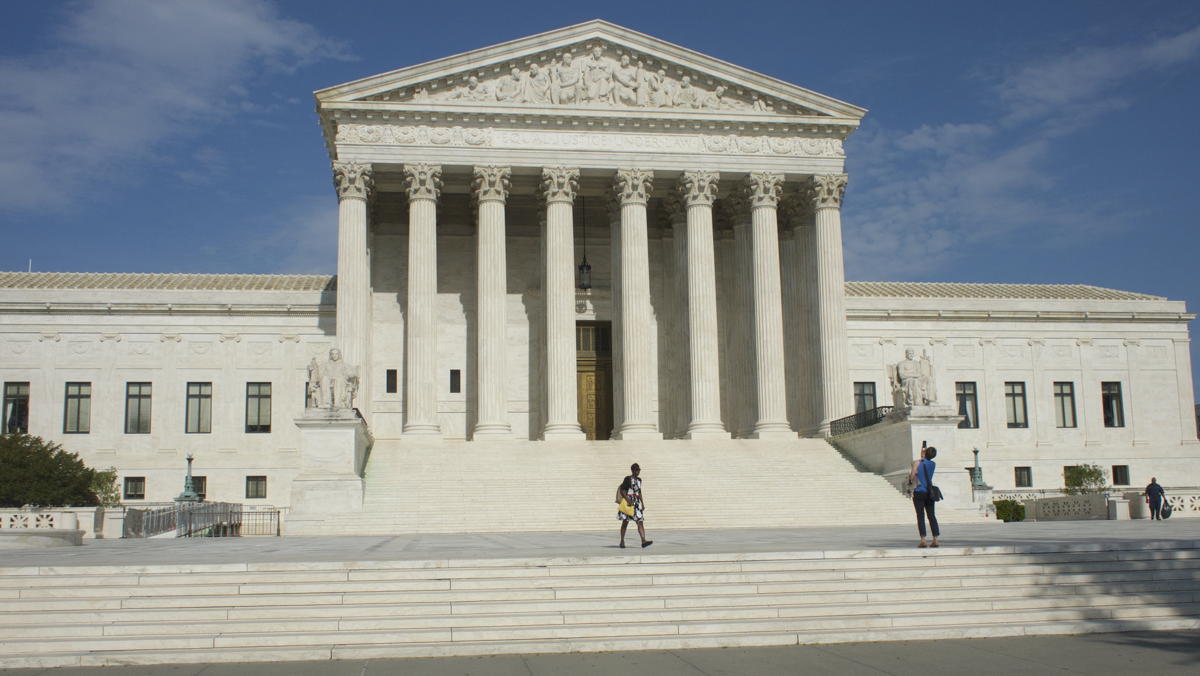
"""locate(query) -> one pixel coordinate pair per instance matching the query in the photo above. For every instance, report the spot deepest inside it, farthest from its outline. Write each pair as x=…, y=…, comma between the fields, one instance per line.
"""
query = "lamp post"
x=189, y=493
x=977, y=473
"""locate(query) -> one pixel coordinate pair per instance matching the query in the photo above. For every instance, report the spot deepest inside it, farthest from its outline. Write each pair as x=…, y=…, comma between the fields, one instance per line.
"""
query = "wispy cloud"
x=927, y=194
x=119, y=79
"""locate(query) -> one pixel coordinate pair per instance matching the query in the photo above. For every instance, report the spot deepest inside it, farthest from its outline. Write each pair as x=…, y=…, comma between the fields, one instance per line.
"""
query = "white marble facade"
x=710, y=197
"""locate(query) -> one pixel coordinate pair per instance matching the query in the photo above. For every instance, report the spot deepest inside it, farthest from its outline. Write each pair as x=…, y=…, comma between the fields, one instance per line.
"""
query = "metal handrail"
x=859, y=420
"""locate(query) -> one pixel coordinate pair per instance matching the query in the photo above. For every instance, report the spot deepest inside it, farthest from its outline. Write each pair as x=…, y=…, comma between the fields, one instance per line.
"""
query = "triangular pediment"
x=591, y=66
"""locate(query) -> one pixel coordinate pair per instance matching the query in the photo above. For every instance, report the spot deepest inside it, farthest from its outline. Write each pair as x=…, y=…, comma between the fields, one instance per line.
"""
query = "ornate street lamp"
x=585, y=270
x=189, y=493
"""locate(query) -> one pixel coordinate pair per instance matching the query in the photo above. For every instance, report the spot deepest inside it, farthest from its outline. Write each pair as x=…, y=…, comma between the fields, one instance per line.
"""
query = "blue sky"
x=1007, y=142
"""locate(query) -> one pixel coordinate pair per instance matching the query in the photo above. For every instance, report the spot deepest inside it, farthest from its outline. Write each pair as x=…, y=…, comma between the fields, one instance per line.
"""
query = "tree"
x=1088, y=478
x=104, y=485
x=37, y=472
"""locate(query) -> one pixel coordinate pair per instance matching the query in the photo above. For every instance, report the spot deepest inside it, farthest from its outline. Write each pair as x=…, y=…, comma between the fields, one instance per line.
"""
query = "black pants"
x=924, y=505
x=1156, y=509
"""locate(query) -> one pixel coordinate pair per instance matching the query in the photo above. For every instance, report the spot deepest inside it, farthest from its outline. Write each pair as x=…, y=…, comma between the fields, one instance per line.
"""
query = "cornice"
x=207, y=309
x=1023, y=315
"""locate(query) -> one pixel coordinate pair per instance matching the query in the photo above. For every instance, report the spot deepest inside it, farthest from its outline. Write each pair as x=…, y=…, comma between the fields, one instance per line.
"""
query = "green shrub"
x=38, y=472
x=1079, y=479
x=1009, y=510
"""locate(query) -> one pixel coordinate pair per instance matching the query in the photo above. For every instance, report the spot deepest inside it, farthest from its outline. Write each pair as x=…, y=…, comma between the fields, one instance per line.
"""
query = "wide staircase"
x=243, y=612
x=480, y=487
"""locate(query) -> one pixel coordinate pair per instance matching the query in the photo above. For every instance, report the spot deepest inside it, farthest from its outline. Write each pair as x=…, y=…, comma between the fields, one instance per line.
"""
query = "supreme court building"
x=588, y=235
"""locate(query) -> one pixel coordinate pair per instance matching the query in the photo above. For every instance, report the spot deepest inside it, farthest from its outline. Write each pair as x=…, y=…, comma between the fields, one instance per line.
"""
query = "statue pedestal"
x=333, y=450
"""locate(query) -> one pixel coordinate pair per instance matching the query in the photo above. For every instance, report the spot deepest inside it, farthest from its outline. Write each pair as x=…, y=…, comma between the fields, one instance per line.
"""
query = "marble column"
x=354, y=184
x=698, y=190
x=764, y=191
x=638, y=382
x=802, y=314
x=559, y=187
x=836, y=397
x=490, y=187
x=423, y=182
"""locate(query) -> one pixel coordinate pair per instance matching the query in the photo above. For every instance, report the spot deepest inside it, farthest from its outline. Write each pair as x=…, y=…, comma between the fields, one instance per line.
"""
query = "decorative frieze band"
x=560, y=184
x=459, y=136
x=491, y=183
x=423, y=181
x=352, y=179
x=632, y=186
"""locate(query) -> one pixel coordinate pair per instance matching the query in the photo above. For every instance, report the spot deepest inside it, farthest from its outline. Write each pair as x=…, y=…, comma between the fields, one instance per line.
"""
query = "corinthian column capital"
x=560, y=184
x=698, y=187
x=352, y=179
x=423, y=181
x=632, y=186
x=826, y=190
x=764, y=189
x=491, y=183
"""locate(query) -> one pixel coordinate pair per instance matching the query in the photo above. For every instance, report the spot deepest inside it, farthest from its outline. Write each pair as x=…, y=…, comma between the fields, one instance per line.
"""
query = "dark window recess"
x=135, y=488
x=1114, y=408
x=864, y=397
x=1023, y=477
x=1014, y=404
x=1120, y=475
x=455, y=381
x=77, y=408
x=258, y=408
x=391, y=381
x=137, y=408
x=968, y=405
x=16, y=408
x=200, y=485
x=256, y=487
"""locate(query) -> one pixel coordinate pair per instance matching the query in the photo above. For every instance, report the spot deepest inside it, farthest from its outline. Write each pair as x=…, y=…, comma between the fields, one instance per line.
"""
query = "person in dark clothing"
x=922, y=477
x=1154, y=495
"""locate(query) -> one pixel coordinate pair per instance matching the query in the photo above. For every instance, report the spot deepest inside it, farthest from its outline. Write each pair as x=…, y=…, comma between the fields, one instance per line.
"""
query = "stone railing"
x=1052, y=505
x=39, y=528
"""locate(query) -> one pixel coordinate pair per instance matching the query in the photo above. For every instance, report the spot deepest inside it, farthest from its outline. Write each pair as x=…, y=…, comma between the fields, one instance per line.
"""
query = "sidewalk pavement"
x=1158, y=653
x=594, y=543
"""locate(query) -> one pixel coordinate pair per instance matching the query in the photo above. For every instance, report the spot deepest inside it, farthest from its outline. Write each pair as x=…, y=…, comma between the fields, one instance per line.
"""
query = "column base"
x=637, y=431
x=773, y=430
x=563, y=431
x=706, y=431
x=422, y=430
x=492, y=432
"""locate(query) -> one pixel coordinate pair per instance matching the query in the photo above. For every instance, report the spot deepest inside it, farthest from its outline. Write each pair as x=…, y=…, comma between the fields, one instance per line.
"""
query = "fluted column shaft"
x=745, y=403
x=809, y=333
x=423, y=183
x=491, y=186
x=827, y=192
x=559, y=187
x=354, y=184
x=637, y=346
x=771, y=421
x=698, y=191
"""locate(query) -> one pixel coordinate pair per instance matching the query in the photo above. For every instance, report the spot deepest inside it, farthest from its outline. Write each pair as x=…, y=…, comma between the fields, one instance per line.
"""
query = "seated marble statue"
x=333, y=383
x=912, y=381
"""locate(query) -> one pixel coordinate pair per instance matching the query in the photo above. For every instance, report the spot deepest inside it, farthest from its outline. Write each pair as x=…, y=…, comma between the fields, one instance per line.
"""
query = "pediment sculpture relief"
x=603, y=76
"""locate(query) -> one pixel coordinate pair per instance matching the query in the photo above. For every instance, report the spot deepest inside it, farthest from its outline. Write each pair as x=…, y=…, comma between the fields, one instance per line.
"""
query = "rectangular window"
x=256, y=487
x=1120, y=475
x=258, y=408
x=137, y=408
x=200, y=485
x=1014, y=404
x=968, y=405
x=77, y=408
x=135, y=488
x=864, y=397
x=199, y=408
x=1114, y=409
x=1023, y=477
x=16, y=408
x=1064, y=404
x=455, y=381
x=392, y=385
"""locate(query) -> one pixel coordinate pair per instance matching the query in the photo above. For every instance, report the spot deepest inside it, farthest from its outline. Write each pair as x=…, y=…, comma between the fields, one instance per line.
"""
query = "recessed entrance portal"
x=593, y=359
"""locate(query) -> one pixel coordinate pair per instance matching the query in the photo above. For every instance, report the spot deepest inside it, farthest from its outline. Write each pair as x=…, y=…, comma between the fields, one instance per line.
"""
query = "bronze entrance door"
x=593, y=359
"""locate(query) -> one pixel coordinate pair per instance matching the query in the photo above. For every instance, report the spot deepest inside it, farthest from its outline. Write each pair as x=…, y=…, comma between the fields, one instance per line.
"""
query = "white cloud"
x=119, y=79
x=923, y=198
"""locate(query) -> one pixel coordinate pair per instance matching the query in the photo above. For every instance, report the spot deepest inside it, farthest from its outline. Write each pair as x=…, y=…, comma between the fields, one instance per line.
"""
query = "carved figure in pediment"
x=566, y=80
x=661, y=90
x=598, y=77
x=537, y=85
x=511, y=87
x=760, y=105
x=687, y=96
x=714, y=99
x=625, y=82
x=474, y=91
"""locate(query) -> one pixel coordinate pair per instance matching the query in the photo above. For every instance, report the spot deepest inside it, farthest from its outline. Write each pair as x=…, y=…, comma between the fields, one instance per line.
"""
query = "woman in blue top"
x=922, y=476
